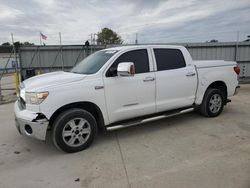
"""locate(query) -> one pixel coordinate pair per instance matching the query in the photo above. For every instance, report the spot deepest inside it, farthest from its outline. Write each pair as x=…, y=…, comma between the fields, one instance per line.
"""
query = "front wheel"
x=74, y=130
x=213, y=103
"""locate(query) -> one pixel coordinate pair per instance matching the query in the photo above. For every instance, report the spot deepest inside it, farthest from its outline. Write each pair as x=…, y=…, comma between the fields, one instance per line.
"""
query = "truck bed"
x=213, y=63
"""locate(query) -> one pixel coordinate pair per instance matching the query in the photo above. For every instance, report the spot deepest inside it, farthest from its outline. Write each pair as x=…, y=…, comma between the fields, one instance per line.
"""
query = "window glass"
x=167, y=59
x=94, y=62
x=138, y=57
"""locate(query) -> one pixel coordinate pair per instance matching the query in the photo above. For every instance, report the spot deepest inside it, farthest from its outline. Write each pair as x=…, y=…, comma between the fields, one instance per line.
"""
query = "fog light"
x=28, y=129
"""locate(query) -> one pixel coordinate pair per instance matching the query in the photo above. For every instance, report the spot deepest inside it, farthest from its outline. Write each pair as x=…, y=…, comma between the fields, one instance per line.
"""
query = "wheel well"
x=88, y=106
x=221, y=86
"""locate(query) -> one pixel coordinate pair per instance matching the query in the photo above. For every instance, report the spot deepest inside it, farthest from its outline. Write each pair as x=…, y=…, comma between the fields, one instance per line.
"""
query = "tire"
x=74, y=130
x=213, y=103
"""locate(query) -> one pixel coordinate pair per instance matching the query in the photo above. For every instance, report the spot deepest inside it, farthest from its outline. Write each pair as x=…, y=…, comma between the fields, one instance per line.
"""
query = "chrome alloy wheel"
x=215, y=103
x=76, y=132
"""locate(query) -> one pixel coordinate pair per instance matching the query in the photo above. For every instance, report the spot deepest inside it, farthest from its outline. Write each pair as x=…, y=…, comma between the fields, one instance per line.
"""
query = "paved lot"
x=8, y=88
x=184, y=151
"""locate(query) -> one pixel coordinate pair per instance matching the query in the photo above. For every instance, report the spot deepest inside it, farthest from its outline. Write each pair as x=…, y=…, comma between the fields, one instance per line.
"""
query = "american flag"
x=44, y=37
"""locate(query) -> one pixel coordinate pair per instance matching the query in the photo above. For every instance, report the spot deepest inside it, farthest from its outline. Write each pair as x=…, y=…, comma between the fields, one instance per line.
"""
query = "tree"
x=108, y=36
x=213, y=40
x=18, y=44
x=27, y=44
x=6, y=44
x=247, y=40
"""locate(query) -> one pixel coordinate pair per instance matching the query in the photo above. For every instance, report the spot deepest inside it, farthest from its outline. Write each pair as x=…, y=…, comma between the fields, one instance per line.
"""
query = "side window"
x=138, y=57
x=167, y=59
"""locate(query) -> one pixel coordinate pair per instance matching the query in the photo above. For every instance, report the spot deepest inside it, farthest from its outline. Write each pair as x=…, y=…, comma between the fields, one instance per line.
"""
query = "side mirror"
x=126, y=69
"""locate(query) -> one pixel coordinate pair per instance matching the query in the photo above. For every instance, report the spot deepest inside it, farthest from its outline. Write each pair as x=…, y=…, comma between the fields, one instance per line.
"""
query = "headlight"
x=36, y=98
x=22, y=93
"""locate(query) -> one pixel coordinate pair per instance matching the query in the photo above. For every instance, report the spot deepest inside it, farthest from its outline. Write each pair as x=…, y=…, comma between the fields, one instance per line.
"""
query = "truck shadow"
x=147, y=128
x=108, y=138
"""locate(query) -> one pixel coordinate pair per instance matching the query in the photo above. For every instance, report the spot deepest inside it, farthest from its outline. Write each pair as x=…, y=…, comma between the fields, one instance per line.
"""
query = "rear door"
x=175, y=81
x=132, y=96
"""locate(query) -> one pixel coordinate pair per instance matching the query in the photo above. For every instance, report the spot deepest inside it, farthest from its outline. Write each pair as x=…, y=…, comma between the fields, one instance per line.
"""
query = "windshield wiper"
x=76, y=72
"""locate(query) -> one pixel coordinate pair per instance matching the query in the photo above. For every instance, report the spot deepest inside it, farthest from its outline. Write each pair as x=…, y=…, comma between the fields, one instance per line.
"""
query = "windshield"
x=93, y=63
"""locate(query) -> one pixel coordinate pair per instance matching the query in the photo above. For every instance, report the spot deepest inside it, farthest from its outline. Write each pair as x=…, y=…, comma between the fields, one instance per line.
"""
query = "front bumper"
x=28, y=124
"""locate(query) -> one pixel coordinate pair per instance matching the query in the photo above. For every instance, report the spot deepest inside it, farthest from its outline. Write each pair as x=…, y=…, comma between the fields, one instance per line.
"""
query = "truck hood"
x=44, y=81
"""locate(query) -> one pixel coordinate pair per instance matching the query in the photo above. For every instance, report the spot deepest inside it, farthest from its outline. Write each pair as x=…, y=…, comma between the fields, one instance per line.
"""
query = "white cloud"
x=155, y=21
x=9, y=13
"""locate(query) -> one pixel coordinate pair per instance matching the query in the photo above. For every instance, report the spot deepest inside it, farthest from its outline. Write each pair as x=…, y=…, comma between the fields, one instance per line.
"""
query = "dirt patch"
x=245, y=126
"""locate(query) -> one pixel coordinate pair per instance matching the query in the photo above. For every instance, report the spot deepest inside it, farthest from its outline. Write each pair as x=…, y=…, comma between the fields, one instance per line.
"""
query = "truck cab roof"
x=121, y=48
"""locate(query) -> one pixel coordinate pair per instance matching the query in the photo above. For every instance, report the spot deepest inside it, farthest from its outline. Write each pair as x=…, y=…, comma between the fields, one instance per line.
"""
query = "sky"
x=155, y=21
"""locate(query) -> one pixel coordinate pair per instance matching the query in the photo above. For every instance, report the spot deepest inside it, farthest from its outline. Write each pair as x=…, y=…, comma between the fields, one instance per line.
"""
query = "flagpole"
x=40, y=38
x=60, y=39
x=39, y=57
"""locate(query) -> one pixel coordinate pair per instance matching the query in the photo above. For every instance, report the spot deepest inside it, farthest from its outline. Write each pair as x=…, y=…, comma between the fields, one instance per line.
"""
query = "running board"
x=146, y=120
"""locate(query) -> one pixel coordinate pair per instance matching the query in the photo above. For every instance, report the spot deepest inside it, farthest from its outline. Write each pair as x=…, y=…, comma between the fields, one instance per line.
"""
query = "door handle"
x=190, y=74
x=148, y=79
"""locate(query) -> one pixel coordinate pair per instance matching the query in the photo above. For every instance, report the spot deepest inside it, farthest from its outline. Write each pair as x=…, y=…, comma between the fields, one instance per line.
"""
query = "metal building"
x=239, y=52
x=7, y=60
x=52, y=58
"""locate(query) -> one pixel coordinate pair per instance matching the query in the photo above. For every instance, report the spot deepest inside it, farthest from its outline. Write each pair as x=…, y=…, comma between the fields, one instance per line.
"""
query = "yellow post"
x=38, y=72
x=16, y=81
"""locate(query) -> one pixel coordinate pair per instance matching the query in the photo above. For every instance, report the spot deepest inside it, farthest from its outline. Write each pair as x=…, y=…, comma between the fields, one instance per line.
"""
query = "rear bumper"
x=237, y=89
x=27, y=124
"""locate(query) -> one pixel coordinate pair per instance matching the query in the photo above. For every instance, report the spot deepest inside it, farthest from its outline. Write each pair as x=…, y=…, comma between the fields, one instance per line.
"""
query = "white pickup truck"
x=119, y=87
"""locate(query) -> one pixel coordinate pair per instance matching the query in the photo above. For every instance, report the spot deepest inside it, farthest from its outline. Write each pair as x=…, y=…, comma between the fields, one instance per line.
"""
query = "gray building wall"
x=223, y=51
x=52, y=58
x=7, y=62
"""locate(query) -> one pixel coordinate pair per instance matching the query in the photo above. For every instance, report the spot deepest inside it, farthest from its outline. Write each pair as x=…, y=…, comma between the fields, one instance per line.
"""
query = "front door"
x=132, y=96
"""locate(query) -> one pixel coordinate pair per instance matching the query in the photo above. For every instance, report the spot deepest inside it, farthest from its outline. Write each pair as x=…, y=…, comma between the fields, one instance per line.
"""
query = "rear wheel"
x=213, y=103
x=74, y=130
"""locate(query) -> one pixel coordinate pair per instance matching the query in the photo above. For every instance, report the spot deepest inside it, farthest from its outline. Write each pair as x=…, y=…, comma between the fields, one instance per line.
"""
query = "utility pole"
x=60, y=39
x=94, y=40
x=16, y=64
x=136, y=38
x=14, y=50
x=236, y=47
x=91, y=42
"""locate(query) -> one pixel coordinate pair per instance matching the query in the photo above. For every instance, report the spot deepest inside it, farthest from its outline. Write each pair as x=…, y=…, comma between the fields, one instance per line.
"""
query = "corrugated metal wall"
x=49, y=58
x=52, y=58
x=223, y=51
x=3, y=63
x=7, y=63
